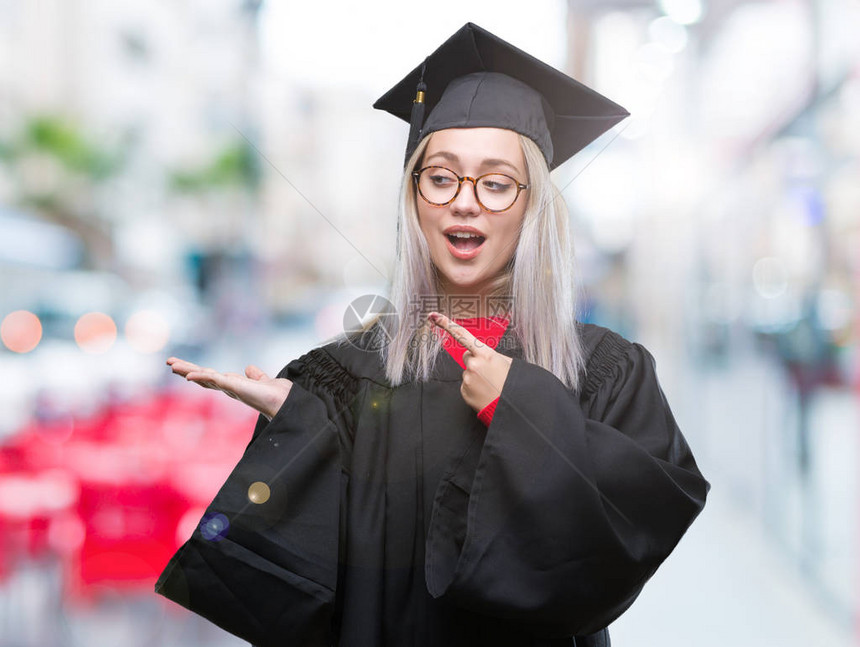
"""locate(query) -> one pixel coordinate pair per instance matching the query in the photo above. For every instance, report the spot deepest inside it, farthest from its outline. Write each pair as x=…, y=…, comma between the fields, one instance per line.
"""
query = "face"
x=465, y=267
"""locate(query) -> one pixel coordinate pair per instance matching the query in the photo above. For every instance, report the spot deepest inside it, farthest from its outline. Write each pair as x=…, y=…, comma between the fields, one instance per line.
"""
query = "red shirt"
x=489, y=330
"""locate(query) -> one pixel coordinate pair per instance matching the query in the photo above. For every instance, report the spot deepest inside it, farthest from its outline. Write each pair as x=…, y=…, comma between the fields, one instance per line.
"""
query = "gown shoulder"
x=349, y=358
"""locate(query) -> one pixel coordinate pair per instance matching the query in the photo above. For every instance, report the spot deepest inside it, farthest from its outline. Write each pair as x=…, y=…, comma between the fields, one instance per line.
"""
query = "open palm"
x=255, y=388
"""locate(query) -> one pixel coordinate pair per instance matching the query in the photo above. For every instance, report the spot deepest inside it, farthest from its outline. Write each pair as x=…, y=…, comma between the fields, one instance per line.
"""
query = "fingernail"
x=433, y=317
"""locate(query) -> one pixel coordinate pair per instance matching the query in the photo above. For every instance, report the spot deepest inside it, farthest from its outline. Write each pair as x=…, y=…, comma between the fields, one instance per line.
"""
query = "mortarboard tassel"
x=416, y=119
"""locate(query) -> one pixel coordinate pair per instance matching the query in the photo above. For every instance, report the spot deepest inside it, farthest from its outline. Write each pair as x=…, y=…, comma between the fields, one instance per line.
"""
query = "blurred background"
x=207, y=179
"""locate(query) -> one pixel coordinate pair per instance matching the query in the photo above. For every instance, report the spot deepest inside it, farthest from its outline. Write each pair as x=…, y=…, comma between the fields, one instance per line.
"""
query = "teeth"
x=464, y=234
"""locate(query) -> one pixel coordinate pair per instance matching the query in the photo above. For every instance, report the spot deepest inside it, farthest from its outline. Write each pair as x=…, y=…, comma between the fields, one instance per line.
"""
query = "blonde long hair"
x=539, y=283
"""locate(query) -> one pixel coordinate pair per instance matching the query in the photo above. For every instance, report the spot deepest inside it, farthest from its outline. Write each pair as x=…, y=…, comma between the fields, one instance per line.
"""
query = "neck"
x=470, y=305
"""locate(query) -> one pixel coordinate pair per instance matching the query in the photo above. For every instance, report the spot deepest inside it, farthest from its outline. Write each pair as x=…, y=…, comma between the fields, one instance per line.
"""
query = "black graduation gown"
x=395, y=518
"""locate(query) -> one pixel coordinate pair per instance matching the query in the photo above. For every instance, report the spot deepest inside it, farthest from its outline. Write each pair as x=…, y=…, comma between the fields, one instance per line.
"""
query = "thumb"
x=255, y=373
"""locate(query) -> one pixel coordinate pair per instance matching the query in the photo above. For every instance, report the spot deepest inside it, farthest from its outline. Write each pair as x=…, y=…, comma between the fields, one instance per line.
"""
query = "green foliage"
x=43, y=202
x=63, y=140
x=234, y=166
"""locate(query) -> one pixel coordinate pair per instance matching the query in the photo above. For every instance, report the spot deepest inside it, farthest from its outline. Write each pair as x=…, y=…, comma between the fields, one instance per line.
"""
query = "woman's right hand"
x=255, y=388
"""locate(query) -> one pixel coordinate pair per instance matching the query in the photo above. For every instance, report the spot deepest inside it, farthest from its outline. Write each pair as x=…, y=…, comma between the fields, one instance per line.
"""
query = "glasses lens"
x=437, y=184
x=497, y=192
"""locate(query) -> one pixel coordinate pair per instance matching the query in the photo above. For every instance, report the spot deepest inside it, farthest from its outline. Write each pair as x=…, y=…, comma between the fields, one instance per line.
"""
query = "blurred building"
x=724, y=231
x=166, y=85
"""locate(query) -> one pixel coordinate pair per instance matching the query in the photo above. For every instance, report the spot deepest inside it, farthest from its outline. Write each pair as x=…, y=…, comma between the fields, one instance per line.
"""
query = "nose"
x=466, y=202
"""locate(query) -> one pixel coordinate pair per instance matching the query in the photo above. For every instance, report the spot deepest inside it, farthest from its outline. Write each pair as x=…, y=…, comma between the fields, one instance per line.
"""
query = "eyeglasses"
x=495, y=192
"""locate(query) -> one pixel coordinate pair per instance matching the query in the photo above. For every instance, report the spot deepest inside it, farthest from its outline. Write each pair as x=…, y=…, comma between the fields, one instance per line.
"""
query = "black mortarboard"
x=476, y=79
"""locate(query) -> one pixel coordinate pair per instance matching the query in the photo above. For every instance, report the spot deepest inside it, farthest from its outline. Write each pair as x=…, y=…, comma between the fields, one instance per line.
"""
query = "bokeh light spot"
x=684, y=12
x=259, y=492
x=21, y=331
x=214, y=526
x=147, y=331
x=668, y=33
x=66, y=533
x=834, y=309
x=770, y=277
x=95, y=332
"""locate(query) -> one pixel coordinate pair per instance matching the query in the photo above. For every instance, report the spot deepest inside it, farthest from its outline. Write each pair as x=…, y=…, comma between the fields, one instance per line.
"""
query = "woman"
x=508, y=477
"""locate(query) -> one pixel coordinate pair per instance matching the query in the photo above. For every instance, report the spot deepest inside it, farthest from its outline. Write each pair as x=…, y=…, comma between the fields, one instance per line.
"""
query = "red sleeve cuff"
x=485, y=415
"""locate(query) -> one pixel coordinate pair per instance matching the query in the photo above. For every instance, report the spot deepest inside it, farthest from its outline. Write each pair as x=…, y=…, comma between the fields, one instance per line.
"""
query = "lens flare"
x=95, y=332
x=147, y=331
x=214, y=526
x=259, y=492
x=21, y=331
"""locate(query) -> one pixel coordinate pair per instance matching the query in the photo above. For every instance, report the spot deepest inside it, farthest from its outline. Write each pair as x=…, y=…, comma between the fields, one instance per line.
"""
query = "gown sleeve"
x=263, y=561
x=571, y=502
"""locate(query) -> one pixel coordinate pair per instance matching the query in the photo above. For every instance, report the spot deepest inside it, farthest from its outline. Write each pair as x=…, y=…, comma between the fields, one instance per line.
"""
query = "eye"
x=497, y=183
x=442, y=179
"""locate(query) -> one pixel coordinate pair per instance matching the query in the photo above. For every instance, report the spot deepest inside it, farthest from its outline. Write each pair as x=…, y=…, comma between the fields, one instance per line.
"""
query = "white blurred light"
x=668, y=33
x=849, y=95
x=685, y=176
x=616, y=37
x=683, y=12
x=363, y=270
x=834, y=309
x=654, y=62
x=296, y=52
x=328, y=322
x=642, y=95
x=722, y=304
x=775, y=315
x=148, y=243
x=612, y=234
x=147, y=331
x=31, y=242
x=770, y=277
x=753, y=69
x=637, y=127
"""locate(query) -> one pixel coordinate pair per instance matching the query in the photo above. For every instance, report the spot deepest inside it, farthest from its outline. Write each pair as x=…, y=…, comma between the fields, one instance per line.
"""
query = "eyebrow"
x=489, y=161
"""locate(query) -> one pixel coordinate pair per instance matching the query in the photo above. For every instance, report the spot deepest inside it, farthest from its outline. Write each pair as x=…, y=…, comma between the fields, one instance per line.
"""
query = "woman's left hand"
x=486, y=370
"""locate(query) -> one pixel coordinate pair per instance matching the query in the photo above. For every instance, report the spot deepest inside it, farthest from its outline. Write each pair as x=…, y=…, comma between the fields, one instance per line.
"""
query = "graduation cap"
x=475, y=79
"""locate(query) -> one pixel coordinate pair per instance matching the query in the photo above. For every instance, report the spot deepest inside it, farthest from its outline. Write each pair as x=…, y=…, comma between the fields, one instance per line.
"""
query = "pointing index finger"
x=458, y=332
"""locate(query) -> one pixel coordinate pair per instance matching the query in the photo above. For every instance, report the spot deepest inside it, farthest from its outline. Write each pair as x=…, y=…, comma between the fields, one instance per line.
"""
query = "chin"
x=464, y=286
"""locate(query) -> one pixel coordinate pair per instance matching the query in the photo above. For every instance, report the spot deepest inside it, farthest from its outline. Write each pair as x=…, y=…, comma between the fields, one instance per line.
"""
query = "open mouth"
x=465, y=242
